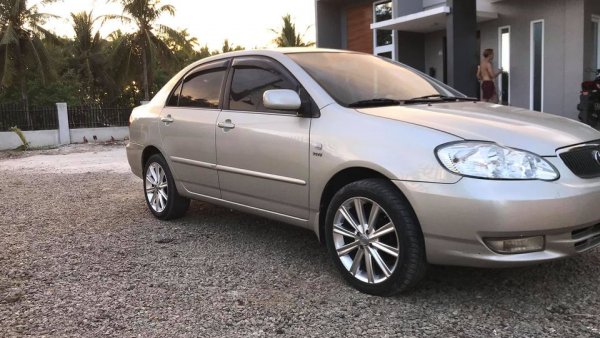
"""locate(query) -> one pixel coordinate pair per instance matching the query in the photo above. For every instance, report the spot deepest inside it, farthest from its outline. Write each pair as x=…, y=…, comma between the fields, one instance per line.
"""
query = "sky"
x=243, y=22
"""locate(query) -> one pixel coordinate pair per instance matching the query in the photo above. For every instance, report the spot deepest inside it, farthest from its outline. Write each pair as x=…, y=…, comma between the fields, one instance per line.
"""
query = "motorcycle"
x=589, y=102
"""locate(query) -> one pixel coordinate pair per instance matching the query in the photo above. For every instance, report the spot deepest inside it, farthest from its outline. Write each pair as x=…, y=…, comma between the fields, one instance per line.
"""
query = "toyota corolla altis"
x=390, y=168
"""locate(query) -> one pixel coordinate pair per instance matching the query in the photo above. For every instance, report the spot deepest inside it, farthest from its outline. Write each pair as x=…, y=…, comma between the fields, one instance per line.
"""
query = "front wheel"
x=162, y=197
x=374, y=238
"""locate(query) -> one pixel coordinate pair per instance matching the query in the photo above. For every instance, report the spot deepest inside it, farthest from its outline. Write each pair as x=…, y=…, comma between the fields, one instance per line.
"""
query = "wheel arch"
x=147, y=152
x=339, y=180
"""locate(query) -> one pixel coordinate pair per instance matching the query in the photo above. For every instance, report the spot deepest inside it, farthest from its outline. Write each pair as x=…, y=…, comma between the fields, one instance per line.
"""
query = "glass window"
x=596, y=40
x=383, y=12
x=202, y=89
x=249, y=84
x=504, y=64
x=537, y=43
x=386, y=55
x=354, y=77
x=174, y=99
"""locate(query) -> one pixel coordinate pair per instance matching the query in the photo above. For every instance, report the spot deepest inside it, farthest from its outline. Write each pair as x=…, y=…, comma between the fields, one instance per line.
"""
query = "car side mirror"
x=282, y=99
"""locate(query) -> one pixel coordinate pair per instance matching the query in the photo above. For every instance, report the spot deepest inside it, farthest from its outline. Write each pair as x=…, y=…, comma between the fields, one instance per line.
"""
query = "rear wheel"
x=374, y=238
x=162, y=197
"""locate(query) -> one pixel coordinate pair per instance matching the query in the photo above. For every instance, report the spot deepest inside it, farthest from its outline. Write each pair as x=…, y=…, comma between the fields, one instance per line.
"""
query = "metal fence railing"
x=98, y=116
x=34, y=118
x=46, y=118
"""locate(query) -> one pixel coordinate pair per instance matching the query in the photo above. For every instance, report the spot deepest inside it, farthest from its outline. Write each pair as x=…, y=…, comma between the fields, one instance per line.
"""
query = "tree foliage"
x=39, y=68
x=22, y=50
x=287, y=36
x=140, y=51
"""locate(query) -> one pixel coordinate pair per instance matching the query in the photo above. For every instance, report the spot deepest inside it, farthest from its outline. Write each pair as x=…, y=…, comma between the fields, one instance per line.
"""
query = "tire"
x=162, y=198
x=377, y=242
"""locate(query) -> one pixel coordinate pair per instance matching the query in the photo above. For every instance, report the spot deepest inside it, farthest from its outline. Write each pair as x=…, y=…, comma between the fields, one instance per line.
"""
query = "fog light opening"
x=516, y=245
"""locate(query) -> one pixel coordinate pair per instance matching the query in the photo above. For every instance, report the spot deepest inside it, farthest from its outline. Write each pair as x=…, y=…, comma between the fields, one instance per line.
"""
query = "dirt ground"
x=80, y=255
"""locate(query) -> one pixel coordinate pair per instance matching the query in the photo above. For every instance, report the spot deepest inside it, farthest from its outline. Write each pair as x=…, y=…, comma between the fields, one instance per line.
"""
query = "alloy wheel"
x=366, y=240
x=157, y=187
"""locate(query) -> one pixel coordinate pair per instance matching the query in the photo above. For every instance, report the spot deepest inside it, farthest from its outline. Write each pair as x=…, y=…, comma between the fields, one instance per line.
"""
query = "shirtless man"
x=486, y=75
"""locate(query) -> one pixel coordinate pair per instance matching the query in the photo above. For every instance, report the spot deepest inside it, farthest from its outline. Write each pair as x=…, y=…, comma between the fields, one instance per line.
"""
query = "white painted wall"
x=38, y=138
x=48, y=138
x=102, y=134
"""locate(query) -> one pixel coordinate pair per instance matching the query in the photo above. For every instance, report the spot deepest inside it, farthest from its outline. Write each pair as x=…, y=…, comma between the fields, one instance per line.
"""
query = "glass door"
x=384, y=40
x=536, y=97
x=504, y=63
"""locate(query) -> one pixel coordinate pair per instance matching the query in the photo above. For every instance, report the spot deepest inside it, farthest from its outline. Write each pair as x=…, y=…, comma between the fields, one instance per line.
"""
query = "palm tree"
x=89, y=55
x=144, y=47
x=21, y=45
x=287, y=36
x=183, y=46
x=230, y=48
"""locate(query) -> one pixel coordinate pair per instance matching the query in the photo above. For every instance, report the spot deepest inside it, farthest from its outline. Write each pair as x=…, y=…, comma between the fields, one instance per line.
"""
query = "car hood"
x=537, y=132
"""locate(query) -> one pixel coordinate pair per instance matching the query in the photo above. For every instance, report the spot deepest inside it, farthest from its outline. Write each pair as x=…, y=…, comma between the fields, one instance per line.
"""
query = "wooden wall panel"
x=358, y=21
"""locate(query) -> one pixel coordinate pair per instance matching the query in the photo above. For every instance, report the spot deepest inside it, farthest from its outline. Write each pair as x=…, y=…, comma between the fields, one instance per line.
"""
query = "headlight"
x=492, y=161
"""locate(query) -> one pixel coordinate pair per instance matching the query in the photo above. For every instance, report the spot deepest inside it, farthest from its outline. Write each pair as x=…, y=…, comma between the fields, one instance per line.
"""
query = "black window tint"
x=202, y=89
x=174, y=99
x=249, y=84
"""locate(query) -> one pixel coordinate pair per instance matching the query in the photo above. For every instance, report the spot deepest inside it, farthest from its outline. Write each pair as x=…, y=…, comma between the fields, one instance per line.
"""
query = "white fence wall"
x=102, y=134
x=64, y=135
x=38, y=138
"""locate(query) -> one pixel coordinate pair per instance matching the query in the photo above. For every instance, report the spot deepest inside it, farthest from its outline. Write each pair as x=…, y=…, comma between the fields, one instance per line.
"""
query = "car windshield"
x=363, y=80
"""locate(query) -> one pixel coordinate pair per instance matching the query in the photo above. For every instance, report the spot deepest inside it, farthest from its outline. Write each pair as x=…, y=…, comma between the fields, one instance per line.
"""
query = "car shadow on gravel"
x=300, y=247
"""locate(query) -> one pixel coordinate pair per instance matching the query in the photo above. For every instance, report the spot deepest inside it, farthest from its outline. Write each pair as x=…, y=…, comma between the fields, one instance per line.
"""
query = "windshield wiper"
x=438, y=98
x=379, y=102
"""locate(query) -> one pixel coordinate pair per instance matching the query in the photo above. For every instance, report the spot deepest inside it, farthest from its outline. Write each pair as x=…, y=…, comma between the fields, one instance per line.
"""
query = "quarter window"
x=249, y=84
x=202, y=89
x=174, y=99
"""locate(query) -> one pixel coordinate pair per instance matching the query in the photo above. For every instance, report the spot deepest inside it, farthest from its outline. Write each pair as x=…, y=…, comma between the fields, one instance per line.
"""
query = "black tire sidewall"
x=410, y=268
x=172, y=194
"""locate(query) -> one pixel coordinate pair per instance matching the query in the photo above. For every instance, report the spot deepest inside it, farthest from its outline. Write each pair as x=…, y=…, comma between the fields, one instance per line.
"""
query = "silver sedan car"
x=392, y=169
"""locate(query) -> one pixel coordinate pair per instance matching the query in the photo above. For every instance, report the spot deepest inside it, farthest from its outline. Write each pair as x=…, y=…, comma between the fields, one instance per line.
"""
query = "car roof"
x=274, y=52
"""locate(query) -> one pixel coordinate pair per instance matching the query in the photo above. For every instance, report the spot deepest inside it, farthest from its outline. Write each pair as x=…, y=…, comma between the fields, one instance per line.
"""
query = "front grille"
x=587, y=237
x=583, y=161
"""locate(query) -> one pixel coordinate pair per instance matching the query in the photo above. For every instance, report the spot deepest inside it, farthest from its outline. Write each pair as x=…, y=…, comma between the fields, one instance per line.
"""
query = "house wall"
x=434, y=57
x=432, y=3
x=563, y=54
x=358, y=27
x=592, y=7
x=406, y=7
x=411, y=49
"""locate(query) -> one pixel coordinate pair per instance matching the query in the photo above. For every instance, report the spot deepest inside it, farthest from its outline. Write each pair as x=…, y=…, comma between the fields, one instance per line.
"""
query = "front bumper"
x=456, y=217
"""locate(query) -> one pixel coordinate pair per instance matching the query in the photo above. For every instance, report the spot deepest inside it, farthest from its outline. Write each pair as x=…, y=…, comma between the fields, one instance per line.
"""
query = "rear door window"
x=202, y=89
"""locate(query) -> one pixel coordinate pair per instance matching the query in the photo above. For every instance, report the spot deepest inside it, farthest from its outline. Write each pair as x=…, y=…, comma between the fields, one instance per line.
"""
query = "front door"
x=262, y=155
x=187, y=128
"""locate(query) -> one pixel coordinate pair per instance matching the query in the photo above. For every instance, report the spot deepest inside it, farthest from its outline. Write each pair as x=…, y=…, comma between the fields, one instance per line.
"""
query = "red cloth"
x=488, y=89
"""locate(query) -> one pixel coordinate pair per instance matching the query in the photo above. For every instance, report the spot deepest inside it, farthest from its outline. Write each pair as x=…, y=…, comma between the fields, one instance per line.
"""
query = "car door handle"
x=227, y=124
x=168, y=119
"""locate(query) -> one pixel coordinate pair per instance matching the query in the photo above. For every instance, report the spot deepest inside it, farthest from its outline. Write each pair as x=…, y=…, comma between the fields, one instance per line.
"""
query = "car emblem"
x=596, y=154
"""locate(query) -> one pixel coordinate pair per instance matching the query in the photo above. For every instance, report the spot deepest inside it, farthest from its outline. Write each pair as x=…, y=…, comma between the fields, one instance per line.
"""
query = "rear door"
x=187, y=128
x=263, y=155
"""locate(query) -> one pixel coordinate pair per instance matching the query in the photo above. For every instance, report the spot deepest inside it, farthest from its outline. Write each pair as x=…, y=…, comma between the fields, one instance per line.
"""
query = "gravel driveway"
x=81, y=256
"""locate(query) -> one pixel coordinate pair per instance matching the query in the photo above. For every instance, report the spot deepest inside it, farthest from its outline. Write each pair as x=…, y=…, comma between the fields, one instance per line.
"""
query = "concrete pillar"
x=462, y=54
x=64, y=135
x=328, y=24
